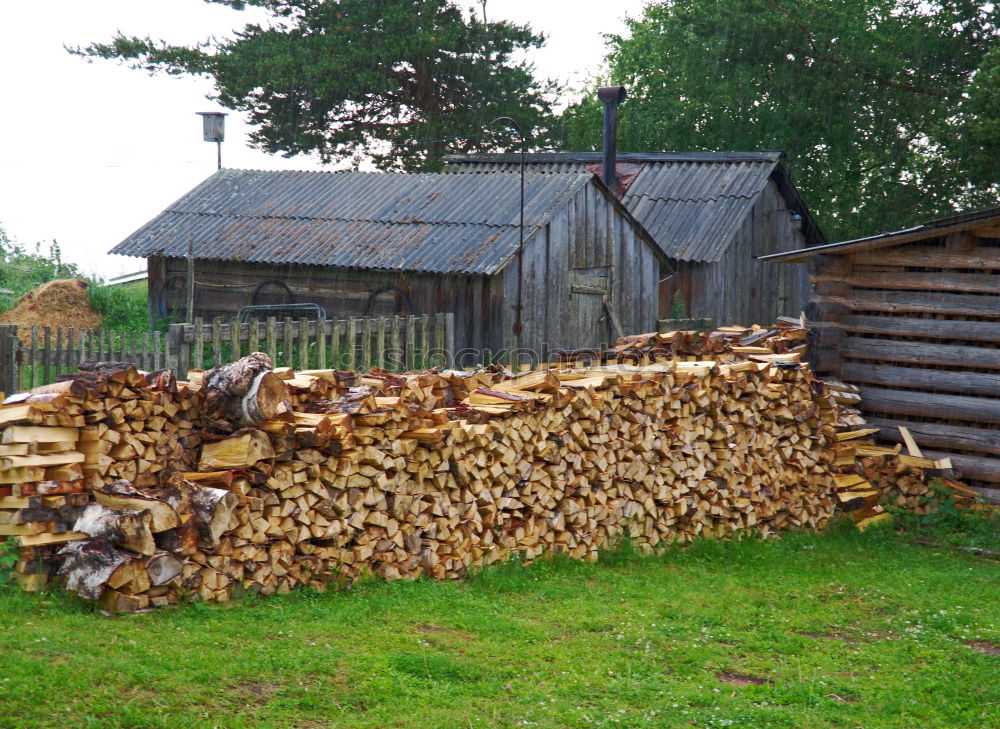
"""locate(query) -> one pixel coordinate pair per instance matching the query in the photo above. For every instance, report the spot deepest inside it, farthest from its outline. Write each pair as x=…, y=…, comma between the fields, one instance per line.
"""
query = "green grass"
x=846, y=630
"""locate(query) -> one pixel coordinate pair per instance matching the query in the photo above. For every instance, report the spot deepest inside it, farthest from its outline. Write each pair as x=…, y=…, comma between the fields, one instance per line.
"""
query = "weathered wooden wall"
x=739, y=289
x=589, y=256
x=917, y=327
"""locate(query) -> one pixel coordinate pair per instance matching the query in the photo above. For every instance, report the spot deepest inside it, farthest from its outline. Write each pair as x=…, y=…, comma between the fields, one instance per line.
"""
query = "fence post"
x=425, y=341
x=304, y=344
x=198, y=345
x=351, y=347
x=9, y=381
x=366, y=345
x=335, y=348
x=34, y=355
x=411, y=343
x=235, y=337
x=449, y=338
x=179, y=351
x=321, y=344
x=289, y=332
x=217, y=341
x=380, y=343
x=272, y=340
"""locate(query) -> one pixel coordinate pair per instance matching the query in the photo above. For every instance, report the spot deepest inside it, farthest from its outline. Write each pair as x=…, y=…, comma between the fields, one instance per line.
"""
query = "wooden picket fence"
x=395, y=343
x=50, y=351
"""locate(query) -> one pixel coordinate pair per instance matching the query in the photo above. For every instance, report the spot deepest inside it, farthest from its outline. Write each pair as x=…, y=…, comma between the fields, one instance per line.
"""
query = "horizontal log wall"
x=917, y=327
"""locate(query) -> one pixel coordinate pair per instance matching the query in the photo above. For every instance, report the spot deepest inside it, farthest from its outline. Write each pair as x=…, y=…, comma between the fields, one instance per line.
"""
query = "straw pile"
x=58, y=304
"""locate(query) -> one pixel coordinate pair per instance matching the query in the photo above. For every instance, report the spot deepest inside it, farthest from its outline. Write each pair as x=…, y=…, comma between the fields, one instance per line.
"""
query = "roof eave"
x=934, y=228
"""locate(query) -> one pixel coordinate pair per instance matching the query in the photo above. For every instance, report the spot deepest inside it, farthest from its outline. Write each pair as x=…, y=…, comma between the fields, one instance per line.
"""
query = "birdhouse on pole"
x=214, y=129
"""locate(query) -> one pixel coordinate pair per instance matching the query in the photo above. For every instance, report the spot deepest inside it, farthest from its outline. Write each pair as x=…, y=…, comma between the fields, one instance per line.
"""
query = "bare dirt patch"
x=743, y=679
x=846, y=638
x=984, y=646
x=257, y=691
x=430, y=628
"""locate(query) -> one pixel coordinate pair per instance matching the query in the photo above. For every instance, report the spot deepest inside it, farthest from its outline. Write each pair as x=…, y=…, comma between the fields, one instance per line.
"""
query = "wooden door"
x=587, y=313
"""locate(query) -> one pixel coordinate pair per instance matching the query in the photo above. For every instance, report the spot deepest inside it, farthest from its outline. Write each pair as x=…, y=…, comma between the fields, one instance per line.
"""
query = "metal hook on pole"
x=515, y=127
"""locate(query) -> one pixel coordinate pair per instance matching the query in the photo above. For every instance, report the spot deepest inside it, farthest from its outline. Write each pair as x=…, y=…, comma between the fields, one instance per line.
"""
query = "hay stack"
x=58, y=304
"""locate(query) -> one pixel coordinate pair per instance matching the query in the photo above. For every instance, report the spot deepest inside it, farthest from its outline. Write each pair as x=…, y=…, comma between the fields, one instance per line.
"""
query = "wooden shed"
x=913, y=318
x=714, y=213
x=359, y=243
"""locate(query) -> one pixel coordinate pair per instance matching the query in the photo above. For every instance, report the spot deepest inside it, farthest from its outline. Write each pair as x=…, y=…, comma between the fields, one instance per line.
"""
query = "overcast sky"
x=91, y=151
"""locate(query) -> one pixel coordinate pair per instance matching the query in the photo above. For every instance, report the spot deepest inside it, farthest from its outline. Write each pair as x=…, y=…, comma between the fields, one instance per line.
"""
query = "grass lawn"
x=838, y=630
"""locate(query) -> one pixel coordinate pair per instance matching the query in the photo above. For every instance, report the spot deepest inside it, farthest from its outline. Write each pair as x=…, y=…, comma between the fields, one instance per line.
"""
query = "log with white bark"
x=163, y=567
x=90, y=564
x=213, y=511
x=245, y=392
x=127, y=528
x=122, y=495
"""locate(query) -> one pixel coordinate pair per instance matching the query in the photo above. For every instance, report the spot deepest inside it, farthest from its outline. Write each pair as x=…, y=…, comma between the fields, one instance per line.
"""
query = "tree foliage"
x=888, y=109
x=353, y=78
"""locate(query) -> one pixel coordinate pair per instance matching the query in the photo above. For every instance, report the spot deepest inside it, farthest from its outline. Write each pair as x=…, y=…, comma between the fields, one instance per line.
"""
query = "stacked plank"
x=871, y=477
x=787, y=338
x=268, y=480
x=41, y=479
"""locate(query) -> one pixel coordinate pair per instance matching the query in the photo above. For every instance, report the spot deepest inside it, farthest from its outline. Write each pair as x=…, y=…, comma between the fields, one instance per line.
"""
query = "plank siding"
x=738, y=289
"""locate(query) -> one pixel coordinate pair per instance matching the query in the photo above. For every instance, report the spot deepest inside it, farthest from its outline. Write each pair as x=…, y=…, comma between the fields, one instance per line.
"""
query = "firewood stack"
x=248, y=478
x=63, y=441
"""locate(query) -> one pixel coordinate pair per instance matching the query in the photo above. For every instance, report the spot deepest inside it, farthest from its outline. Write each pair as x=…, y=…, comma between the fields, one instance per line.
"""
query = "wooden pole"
x=190, y=279
x=8, y=372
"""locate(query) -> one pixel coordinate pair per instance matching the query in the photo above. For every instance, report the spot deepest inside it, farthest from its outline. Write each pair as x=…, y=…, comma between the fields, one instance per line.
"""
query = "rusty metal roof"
x=437, y=223
x=692, y=203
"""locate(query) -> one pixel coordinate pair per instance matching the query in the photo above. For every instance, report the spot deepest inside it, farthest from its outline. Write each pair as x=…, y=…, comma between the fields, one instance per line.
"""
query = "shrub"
x=120, y=307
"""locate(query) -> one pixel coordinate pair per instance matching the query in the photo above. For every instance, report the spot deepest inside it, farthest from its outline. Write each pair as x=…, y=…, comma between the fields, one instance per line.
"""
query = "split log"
x=239, y=451
x=245, y=392
x=163, y=567
x=122, y=495
x=213, y=510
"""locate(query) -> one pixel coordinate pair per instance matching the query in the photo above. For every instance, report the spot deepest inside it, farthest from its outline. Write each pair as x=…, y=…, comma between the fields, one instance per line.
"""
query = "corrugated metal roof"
x=692, y=203
x=931, y=228
x=438, y=223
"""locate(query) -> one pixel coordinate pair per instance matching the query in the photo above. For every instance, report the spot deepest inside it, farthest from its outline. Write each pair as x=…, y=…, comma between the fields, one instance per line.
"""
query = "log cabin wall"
x=738, y=289
x=712, y=213
x=917, y=327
